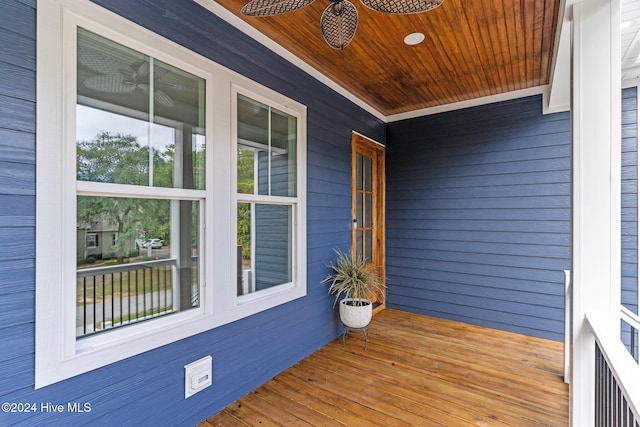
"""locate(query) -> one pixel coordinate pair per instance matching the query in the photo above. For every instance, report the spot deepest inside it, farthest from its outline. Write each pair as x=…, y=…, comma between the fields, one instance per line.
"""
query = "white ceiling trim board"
x=469, y=103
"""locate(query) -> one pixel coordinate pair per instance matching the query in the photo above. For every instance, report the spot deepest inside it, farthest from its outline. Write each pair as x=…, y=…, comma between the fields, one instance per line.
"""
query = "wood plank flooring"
x=416, y=371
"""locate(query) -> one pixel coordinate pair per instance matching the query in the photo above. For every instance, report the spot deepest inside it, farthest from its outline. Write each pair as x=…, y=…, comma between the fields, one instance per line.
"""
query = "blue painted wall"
x=478, y=216
x=148, y=389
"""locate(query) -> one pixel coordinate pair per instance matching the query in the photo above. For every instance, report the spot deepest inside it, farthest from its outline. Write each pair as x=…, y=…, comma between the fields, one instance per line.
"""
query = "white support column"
x=596, y=188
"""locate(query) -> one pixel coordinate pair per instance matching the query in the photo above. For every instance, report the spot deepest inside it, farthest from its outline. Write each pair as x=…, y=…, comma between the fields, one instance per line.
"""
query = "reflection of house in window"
x=98, y=240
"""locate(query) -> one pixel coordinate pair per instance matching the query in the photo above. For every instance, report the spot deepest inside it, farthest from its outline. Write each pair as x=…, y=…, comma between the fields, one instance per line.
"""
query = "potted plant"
x=352, y=278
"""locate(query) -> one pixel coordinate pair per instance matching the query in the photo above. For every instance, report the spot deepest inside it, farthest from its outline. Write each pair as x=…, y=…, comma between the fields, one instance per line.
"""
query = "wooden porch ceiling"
x=416, y=370
x=471, y=49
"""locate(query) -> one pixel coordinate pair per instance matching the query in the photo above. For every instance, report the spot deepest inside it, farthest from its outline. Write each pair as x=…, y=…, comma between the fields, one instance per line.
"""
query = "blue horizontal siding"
x=17, y=147
x=19, y=86
x=17, y=198
x=17, y=211
x=478, y=216
x=17, y=49
x=17, y=276
x=17, y=113
x=19, y=18
x=148, y=389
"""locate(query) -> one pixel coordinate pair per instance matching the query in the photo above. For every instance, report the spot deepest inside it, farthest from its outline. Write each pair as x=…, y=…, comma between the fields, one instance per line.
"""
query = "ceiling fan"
x=339, y=20
x=117, y=76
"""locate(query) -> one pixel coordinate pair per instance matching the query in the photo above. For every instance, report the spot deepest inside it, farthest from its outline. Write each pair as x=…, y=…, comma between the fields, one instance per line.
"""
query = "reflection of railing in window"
x=245, y=278
x=115, y=296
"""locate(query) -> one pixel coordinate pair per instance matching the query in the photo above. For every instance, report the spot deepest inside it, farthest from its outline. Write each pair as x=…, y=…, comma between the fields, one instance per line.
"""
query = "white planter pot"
x=356, y=316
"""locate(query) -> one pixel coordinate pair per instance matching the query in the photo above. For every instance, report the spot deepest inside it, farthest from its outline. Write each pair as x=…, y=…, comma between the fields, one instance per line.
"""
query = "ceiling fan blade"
x=402, y=6
x=159, y=96
x=141, y=68
x=99, y=62
x=111, y=83
x=338, y=23
x=272, y=7
x=162, y=98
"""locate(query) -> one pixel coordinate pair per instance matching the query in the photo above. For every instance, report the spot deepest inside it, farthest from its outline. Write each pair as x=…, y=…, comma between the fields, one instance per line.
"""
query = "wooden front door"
x=367, y=198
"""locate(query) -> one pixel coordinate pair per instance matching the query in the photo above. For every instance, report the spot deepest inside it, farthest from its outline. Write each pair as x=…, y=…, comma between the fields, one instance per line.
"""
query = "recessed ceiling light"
x=414, y=38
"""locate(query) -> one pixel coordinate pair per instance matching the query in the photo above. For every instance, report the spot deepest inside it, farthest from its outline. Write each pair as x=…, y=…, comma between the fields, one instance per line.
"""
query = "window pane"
x=364, y=244
x=367, y=245
x=246, y=168
x=151, y=269
x=92, y=240
x=367, y=173
x=368, y=209
x=358, y=171
x=244, y=248
x=139, y=121
x=264, y=246
x=266, y=150
x=359, y=212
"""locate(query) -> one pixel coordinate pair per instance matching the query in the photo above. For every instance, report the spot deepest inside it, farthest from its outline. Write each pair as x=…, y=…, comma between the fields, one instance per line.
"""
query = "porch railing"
x=115, y=296
x=617, y=389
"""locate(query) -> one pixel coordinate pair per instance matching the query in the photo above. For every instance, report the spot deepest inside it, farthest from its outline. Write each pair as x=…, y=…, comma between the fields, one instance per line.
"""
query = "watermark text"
x=47, y=407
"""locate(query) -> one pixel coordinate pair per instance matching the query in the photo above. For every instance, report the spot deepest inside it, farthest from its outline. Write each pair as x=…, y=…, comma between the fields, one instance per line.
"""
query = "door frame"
x=367, y=146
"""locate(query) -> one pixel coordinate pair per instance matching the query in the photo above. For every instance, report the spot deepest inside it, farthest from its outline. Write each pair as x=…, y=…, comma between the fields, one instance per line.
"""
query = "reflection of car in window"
x=153, y=244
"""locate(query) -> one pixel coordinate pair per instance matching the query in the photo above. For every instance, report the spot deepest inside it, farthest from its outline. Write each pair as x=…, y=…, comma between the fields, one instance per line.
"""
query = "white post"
x=596, y=188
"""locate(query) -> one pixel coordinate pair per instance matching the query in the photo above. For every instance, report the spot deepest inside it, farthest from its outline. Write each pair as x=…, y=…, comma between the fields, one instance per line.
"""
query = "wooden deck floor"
x=416, y=371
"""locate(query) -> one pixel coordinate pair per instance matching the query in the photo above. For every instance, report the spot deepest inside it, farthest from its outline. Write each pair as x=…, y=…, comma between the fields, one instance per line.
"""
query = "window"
x=93, y=240
x=143, y=188
x=139, y=130
x=269, y=147
x=266, y=176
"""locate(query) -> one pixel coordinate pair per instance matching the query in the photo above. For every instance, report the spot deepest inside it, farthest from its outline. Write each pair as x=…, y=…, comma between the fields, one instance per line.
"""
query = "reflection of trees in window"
x=117, y=158
x=245, y=186
x=120, y=159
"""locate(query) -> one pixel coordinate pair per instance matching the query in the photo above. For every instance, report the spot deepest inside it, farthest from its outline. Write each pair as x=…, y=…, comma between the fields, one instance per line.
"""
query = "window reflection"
x=139, y=121
x=264, y=246
x=266, y=150
x=266, y=167
x=130, y=266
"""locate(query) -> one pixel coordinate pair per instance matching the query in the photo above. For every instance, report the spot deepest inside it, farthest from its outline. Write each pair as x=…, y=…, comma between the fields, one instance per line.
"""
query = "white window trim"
x=58, y=354
x=278, y=294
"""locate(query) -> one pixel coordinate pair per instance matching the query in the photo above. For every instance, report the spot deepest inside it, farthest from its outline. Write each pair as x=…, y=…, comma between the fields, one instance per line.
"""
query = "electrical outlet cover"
x=197, y=376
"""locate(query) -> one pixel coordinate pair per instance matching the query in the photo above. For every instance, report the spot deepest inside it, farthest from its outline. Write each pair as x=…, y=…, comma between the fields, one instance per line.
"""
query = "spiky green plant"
x=350, y=276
